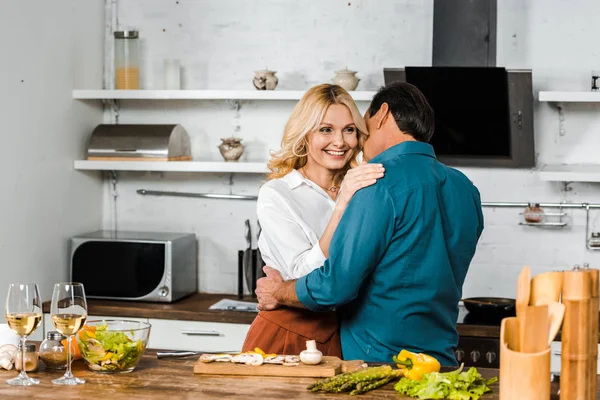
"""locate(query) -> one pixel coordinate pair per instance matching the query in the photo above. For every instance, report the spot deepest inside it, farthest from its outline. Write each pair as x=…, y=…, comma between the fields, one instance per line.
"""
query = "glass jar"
x=594, y=240
x=127, y=64
x=52, y=352
x=533, y=213
x=30, y=357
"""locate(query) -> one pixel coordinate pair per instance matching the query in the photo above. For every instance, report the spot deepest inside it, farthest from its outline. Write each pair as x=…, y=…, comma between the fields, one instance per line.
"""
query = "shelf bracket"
x=114, y=106
x=115, y=195
x=235, y=105
x=561, y=118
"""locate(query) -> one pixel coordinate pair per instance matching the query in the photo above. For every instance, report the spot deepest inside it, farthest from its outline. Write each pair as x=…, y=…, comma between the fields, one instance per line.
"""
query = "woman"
x=300, y=207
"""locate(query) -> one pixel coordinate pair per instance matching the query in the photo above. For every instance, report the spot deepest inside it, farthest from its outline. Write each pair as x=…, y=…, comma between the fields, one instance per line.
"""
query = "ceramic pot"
x=265, y=80
x=346, y=79
x=231, y=149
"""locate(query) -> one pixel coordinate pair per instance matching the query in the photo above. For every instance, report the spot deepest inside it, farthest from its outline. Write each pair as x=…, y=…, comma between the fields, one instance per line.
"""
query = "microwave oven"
x=140, y=266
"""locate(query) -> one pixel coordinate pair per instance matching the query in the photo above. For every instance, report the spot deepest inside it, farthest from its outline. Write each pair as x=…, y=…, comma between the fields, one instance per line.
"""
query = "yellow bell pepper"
x=416, y=365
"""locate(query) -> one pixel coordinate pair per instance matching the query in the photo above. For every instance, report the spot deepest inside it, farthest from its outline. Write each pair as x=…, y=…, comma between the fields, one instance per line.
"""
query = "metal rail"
x=547, y=205
x=145, y=192
x=585, y=206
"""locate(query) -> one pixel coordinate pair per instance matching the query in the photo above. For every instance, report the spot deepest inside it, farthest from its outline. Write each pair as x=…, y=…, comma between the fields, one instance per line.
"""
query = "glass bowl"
x=113, y=346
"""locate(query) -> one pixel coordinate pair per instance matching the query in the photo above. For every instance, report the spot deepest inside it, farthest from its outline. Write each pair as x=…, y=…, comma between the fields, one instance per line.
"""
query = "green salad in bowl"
x=113, y=345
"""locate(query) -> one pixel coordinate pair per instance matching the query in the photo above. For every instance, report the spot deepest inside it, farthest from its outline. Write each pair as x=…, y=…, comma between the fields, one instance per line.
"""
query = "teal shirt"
x=399, y=257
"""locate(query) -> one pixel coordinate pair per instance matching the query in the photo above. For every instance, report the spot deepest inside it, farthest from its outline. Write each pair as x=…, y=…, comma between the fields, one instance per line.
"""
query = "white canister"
x=172, y=74
x=346, y=79
x=7, y=336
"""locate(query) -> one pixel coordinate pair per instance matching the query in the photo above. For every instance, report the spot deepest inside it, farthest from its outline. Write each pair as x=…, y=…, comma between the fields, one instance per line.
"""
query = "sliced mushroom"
x=291, y=359
x=274, y=360
x=207, y=358
x=255, y=360
x=223, y=357
x=95, y=347
x=291, y=364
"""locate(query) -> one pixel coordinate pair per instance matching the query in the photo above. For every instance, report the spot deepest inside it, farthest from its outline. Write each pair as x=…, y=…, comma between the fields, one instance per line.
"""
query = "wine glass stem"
x=23, y=374
x=69, y=374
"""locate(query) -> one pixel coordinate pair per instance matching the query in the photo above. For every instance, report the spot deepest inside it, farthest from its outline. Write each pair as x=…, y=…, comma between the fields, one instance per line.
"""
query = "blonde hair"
x=306, y=118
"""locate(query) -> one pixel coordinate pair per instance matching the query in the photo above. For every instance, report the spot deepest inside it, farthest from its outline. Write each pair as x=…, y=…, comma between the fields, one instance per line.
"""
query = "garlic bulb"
x=311, y=355
x=7, y=355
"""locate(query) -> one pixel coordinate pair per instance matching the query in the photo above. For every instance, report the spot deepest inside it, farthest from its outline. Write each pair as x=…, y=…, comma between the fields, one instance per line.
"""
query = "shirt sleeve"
x=282, y=240
x=357, y=246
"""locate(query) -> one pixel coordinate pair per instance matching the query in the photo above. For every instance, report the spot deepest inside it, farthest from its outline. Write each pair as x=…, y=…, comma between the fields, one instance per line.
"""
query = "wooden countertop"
x=174, y=379
x=195, y=308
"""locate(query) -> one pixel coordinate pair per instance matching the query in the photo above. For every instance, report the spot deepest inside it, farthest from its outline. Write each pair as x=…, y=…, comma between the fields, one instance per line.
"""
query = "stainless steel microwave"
x=141, y=266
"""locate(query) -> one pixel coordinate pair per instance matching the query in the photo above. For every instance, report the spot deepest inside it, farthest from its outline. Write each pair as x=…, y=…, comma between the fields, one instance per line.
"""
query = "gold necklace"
x=332, y=189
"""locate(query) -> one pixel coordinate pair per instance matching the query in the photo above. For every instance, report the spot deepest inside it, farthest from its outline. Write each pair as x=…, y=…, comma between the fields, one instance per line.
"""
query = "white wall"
x=221, y=43
x=48, y=48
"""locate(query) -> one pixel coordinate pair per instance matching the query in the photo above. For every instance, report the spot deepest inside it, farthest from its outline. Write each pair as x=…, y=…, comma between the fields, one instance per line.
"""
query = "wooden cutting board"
x=330, y=366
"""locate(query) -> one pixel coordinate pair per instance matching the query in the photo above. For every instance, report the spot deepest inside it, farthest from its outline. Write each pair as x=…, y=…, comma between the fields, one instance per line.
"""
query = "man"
x=400, y=254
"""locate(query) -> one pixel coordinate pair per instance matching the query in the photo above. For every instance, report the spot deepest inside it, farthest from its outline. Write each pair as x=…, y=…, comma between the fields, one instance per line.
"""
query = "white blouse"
x=293, y=213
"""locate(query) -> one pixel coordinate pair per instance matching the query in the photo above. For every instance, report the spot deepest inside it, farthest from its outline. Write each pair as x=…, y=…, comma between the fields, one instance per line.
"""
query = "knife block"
x=251, y=272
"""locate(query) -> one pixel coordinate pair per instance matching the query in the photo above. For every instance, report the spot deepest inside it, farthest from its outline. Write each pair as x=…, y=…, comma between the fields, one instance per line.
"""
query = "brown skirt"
x=286, y=330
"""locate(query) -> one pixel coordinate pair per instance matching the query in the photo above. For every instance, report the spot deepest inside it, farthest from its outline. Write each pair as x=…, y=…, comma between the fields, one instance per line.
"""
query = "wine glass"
x=23, y=312
x=69, y=312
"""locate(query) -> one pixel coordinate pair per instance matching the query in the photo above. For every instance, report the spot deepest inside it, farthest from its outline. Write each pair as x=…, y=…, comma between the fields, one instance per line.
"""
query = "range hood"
x=464, y=33
x=484, y=113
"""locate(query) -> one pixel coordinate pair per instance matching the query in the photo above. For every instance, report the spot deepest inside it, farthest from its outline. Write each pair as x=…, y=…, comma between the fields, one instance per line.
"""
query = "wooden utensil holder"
x=576, y=355
x=546, y=288
x=522, y=375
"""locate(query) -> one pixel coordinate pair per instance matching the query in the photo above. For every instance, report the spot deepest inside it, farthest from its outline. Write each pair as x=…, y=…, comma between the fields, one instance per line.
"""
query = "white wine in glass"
x=69, y=312
x=23, y=312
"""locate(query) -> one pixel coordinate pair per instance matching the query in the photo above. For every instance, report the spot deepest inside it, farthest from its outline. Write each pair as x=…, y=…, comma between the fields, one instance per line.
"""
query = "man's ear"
x=382, y=115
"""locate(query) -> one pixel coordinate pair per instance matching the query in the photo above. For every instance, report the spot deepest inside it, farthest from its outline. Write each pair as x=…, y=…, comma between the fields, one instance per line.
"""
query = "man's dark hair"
x=409, y=107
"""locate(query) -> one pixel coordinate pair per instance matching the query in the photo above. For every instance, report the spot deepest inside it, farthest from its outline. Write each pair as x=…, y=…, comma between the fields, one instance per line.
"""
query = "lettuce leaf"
x=454, y=385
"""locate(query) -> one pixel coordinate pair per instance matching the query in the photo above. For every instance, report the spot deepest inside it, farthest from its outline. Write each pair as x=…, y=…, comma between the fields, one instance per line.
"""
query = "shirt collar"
x=293, y=179
x=409, y=147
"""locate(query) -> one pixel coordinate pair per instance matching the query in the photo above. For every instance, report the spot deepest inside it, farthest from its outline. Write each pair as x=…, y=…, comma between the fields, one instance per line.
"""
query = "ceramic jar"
x=231, y=149
x=594, y=240
x=533, y=213
x=265, y=80
x=346, y=79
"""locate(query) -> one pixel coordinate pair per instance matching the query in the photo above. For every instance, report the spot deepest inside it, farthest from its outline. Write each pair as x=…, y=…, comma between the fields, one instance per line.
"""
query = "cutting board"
x=330, y=366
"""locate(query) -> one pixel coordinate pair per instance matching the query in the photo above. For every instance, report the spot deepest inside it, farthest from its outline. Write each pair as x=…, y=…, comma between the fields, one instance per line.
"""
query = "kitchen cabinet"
x=196, y=335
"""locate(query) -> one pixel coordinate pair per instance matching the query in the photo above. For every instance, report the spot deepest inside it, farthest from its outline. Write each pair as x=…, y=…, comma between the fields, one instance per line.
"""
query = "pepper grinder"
x=593, y=345
x=576, y=331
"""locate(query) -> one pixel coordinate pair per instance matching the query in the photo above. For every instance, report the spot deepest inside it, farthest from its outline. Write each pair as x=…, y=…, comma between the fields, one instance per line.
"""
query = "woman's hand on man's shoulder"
x=357, y=178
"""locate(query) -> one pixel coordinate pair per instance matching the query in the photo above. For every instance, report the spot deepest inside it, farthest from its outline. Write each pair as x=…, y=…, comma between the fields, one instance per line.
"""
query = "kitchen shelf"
x=550, y=224
x=551, y=214
x=203, y=95
x=570, y=173
x=172, y=166
x=570, y=97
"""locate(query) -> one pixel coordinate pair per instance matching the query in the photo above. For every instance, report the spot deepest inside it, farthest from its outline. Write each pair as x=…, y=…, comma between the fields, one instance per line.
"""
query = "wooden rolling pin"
x=593, y=344
x=576, y=332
